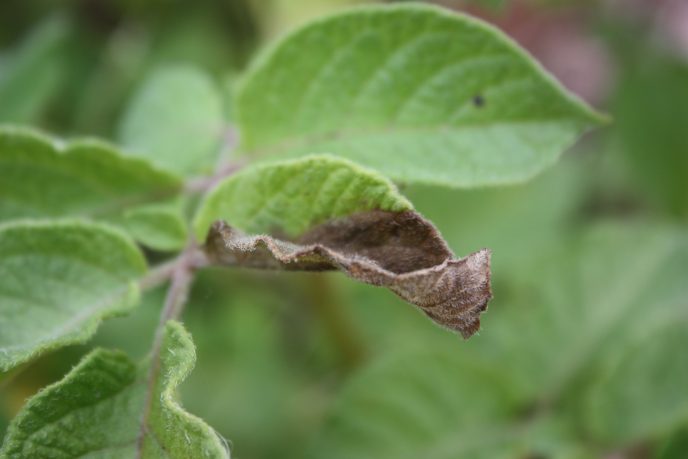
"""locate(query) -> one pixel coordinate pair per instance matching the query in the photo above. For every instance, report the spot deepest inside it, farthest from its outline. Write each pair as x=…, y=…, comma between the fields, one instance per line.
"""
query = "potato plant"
x=327, y=122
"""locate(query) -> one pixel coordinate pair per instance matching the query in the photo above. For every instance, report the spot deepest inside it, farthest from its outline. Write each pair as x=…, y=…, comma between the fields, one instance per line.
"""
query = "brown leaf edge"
x=398, y=250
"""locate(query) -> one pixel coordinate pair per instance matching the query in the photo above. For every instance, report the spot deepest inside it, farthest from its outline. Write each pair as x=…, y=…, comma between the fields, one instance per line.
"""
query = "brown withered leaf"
x=398, y=250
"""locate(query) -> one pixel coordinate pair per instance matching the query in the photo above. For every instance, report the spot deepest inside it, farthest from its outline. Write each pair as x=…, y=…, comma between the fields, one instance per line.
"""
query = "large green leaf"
x=416, y=92
x=175, y=121
x=588, y=352
x=98, y=410
x=43, y=178
x=292, y=196
x=58, y=281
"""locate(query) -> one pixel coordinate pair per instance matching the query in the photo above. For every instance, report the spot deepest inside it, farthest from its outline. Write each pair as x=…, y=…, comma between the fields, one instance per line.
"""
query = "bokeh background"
x=584, y=350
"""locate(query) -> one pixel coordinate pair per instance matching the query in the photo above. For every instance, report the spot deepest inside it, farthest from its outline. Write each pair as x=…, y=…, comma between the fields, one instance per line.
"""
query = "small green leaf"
x=175, y=121
x=43, y=178
x=292, y=196
x=416, y=92
x=159, y=226
x=99, y=410
x=58, y=280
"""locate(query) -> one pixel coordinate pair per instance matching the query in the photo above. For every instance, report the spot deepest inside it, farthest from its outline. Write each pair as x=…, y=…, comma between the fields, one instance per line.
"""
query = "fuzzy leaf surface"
x=415, y=92
x=97, y=411
x=290, y=197
x=175, y=121
x=58, y=280
x=43, y=178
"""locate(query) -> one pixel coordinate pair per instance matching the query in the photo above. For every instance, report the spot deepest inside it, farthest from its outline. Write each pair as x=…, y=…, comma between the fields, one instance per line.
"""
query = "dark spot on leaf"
x=478, y=100
x=398, y=250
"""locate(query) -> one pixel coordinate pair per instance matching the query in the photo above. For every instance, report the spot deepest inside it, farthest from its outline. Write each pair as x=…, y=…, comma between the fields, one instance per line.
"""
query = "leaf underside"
x=397, y=250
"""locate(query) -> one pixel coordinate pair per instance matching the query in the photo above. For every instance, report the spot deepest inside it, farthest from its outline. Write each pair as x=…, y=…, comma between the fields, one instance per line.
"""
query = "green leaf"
x=159, y=226
x=583, y=360
x=98, y=410
x=58, y=280
x=292, y=196
x=643, y=392
x=603, y=312
x=416, y=92
x=644, y=125
x=44, y=178
x=430, y=404
x=32, y=73
x=175, y=121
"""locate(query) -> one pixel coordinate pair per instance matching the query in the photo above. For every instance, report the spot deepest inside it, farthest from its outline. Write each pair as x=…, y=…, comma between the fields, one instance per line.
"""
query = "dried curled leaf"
x=398, y=250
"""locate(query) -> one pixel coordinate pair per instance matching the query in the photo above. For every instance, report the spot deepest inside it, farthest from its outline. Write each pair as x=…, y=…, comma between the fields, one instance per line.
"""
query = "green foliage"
x=579, y=341
x=580, y=352
x=651, y=130
x=108, y=407
x=292, y=196
x=175, y=121
x=44, y=178
x=58, y=281
x=160, y=226
x=30, y=76
x=381, y=86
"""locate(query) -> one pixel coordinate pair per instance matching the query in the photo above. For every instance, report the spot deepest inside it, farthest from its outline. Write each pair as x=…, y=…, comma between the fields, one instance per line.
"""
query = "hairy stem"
x=225, y=167
x=180, y=272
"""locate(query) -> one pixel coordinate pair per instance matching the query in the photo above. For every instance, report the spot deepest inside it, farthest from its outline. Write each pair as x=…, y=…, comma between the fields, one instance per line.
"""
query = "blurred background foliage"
x=583, y=350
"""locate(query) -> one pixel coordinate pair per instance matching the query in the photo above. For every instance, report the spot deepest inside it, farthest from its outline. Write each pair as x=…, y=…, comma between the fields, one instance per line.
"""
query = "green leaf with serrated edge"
x=58, y=280
x=175, y=121
x=159, y=226
x=97, y=410
x=416, y=92
x=290, y=197
x=45, y=178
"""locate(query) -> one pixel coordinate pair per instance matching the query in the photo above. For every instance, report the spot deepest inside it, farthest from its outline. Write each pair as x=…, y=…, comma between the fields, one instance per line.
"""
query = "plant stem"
x=224, y=168
x=203, y=184
x=180, y=272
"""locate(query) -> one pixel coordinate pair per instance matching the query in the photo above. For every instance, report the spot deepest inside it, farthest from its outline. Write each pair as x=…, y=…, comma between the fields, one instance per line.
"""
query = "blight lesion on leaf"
x=324, y=213
x=398, y=250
